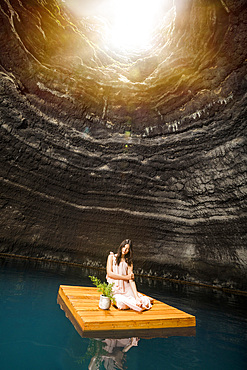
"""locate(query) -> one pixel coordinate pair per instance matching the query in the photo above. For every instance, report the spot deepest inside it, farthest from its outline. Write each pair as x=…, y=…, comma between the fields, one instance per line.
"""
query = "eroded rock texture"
x=97, y=146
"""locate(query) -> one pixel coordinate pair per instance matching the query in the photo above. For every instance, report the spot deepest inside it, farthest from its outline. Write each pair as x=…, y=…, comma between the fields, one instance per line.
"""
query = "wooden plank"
x=81, y=307
x=140, y=333
x=141, y=315
x=115, y=312
x=124, y=325
x=101, y=318
x=70, y=308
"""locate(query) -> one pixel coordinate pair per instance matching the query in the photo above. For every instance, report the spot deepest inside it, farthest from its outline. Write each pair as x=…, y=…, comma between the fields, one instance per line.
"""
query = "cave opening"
x=128, y=27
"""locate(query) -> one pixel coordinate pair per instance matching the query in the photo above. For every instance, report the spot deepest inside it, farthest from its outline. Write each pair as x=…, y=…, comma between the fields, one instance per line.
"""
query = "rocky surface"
x=97, y=146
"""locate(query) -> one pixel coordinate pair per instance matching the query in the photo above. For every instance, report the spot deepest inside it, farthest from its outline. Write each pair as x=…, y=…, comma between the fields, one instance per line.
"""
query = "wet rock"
x=97, y=146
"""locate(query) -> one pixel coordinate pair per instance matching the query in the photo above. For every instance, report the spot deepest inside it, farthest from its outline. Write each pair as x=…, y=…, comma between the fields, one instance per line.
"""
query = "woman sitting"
x=120, y=272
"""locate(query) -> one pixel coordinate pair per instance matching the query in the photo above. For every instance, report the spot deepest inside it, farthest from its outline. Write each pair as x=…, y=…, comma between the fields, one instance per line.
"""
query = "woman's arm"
x=112, y=275
x=133, y=286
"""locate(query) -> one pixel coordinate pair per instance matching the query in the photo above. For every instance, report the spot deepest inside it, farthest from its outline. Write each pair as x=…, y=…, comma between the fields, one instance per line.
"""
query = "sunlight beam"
x=133, y=23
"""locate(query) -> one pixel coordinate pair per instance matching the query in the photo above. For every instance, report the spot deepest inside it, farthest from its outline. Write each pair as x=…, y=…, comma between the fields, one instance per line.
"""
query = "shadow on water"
x=35, y=334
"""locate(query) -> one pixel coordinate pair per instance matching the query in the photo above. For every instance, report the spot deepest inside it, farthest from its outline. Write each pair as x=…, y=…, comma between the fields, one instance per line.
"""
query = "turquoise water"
x=36, y=335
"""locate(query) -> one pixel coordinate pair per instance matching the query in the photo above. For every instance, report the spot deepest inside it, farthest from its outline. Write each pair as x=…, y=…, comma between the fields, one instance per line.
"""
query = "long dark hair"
x=128, y=256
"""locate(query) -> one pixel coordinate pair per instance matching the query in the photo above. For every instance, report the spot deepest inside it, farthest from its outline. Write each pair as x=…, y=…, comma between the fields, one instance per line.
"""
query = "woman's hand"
x=130, y=276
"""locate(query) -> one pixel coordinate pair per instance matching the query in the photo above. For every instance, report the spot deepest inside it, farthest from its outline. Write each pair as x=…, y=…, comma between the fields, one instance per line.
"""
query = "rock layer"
x=97, y=146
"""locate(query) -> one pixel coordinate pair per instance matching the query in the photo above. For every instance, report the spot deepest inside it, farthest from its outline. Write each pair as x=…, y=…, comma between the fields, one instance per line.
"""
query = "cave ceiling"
x=188, y=67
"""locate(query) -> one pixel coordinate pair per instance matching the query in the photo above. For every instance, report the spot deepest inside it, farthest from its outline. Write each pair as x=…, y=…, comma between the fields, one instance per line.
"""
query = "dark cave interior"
x=101, y=144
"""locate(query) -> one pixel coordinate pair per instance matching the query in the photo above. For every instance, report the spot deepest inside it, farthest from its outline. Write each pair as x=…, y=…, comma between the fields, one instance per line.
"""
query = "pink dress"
x=123, y=293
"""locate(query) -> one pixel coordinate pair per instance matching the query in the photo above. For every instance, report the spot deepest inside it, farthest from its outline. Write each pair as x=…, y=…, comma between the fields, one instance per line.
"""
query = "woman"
x=120, y=272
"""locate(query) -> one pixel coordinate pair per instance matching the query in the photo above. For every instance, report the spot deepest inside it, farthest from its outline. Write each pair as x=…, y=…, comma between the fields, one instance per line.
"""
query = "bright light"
x=130, y=23
x=133, y=23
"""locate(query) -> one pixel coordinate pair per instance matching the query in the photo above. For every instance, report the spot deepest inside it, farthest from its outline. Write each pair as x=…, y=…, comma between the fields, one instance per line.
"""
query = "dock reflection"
x=107, y=349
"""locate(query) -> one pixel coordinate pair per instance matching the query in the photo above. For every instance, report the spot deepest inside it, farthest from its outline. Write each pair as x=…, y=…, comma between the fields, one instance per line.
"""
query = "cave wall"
x=97, y=146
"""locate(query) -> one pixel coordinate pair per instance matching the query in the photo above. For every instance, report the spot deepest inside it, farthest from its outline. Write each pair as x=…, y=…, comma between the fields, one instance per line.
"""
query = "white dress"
x=123, y=293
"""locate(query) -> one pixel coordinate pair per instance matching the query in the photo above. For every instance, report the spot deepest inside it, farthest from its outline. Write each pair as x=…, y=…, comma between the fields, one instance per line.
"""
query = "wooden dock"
x=81, y=306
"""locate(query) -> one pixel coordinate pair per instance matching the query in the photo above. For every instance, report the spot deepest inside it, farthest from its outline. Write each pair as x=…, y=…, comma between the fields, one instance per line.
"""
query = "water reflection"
x=110, y=352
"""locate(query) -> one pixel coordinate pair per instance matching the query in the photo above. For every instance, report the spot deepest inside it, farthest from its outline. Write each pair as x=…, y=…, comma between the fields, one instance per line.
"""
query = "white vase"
x=104, y=302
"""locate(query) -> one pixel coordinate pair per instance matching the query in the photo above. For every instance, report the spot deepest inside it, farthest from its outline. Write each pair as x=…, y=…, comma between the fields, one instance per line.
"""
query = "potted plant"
x=106, y=293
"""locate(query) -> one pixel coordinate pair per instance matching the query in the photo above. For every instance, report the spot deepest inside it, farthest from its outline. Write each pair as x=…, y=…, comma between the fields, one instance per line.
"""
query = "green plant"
x=104, y=288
